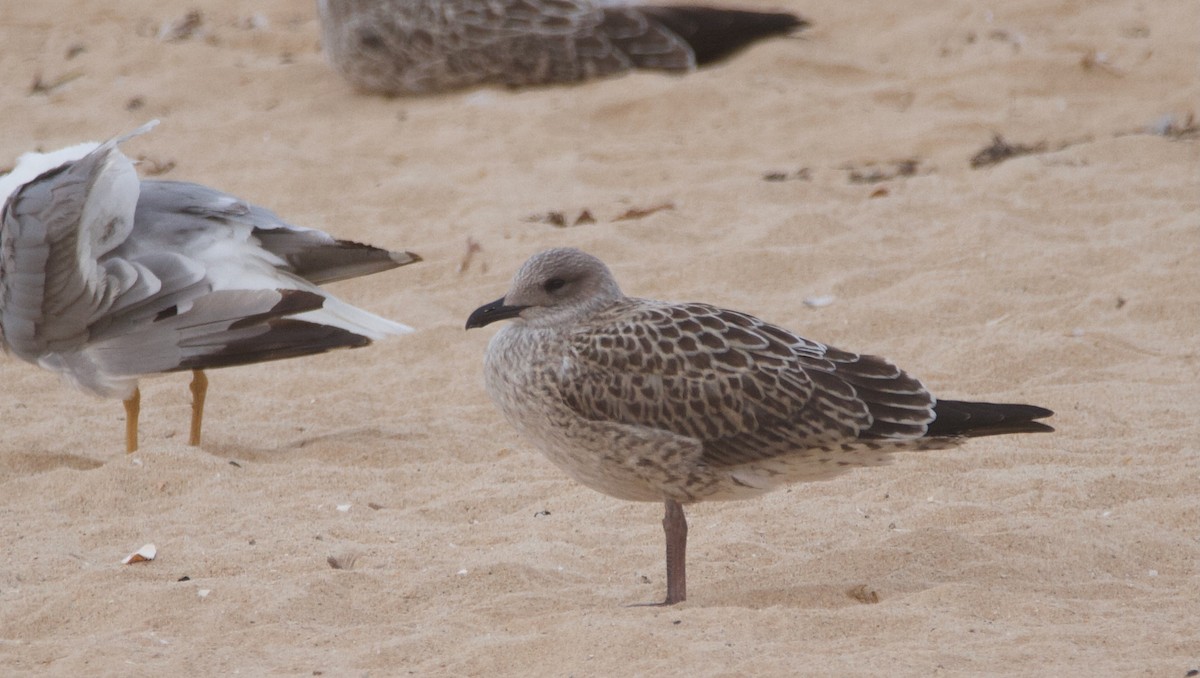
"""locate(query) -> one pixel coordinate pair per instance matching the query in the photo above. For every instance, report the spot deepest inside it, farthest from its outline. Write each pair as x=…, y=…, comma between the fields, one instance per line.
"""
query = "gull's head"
x=554, y=286
x=32, y=165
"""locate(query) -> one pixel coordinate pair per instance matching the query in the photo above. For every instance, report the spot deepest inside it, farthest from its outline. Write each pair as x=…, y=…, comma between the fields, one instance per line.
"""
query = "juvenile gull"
x=105, y=278
x=652, y=401
x=424, y=46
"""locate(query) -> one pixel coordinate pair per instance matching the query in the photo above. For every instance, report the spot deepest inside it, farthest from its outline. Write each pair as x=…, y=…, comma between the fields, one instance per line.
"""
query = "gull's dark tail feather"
x=714, y=34
x=960, y=418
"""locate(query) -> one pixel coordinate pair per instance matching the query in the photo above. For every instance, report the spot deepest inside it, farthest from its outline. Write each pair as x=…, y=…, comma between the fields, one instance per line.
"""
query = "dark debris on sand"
x=1000, y=150
x=873, y=173
x=559, y=219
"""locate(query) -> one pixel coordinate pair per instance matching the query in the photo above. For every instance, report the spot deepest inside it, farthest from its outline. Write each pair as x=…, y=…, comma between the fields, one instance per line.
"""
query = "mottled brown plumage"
x=425, y=46
x=651, y=401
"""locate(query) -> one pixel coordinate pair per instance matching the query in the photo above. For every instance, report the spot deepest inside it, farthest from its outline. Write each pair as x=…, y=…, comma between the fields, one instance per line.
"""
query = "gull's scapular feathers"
x=653, y=401
x=425, y=46
x=105, y=278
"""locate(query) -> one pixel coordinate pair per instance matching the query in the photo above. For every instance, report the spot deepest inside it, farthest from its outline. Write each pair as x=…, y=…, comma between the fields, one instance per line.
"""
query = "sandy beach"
x=369, y=512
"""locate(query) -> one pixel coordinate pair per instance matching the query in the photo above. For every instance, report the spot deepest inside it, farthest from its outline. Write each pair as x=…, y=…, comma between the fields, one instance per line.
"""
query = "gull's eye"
x=554, y=284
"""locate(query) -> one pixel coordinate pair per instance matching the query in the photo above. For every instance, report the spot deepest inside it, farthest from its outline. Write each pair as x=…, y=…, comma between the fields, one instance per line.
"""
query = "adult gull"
x=105, y=278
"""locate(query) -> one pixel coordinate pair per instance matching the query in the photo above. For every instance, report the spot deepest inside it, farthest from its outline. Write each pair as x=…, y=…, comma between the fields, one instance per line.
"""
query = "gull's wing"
x=223, y=328
x=175, y=215
x=747, y=390
x=55, y=231
x=241, y=246
x=258, y=300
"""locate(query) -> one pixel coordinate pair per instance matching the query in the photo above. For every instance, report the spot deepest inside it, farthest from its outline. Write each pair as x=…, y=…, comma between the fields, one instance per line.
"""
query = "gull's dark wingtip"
x=716, y=33
x=961, y=418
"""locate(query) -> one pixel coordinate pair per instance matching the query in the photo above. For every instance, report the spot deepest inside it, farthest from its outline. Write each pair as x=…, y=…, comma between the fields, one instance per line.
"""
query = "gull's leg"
x=133, y=405
x=675, y=526
x=199, y=389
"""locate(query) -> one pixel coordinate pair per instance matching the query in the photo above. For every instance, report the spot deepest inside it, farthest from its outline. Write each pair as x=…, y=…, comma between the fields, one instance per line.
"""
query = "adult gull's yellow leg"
x=199, y=389
x=132, y=405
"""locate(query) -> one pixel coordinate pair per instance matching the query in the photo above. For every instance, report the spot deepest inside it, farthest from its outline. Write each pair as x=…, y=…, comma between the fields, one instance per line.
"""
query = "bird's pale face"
x=552, y=285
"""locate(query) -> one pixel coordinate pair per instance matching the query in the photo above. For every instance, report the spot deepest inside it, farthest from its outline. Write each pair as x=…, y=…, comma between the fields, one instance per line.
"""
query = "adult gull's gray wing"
x=56, y=230
x=176, y=214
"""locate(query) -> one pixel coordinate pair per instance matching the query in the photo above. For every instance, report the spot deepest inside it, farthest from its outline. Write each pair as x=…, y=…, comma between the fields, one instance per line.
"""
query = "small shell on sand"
x=142, y=555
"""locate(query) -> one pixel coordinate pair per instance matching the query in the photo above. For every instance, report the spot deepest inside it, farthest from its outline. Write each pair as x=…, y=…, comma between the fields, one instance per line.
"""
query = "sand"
x=837, y=164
